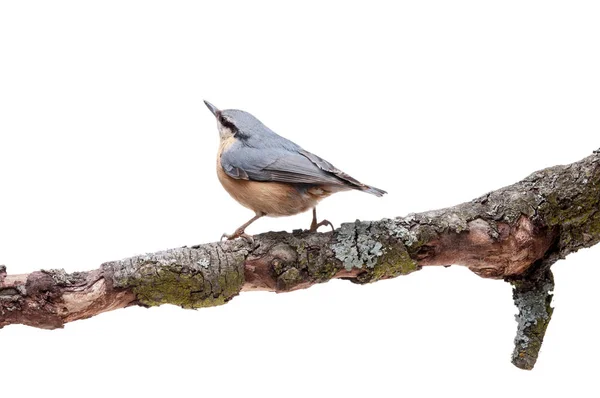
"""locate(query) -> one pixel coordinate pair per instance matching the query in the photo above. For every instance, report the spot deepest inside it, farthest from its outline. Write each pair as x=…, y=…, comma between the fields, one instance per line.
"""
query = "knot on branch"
x=285, y=262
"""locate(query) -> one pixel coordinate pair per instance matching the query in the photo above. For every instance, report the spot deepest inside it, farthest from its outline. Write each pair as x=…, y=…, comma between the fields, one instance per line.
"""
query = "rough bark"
x=515, y=233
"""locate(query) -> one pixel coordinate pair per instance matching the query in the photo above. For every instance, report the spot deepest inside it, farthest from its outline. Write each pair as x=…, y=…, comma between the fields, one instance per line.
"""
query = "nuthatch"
x=272, y=175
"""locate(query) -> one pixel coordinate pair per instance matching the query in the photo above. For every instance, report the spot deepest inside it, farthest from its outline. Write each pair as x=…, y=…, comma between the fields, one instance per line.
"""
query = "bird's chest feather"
x=270, y=198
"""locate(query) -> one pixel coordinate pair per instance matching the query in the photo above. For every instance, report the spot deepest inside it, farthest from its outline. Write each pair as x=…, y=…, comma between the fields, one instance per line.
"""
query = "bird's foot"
x=315, y=225
x=239, y=233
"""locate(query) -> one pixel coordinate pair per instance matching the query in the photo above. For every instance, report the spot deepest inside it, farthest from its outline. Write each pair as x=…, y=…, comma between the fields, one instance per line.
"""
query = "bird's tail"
x=373, y=190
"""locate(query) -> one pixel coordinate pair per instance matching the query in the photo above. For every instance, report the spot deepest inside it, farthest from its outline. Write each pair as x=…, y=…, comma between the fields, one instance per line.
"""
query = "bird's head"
x=233, y=122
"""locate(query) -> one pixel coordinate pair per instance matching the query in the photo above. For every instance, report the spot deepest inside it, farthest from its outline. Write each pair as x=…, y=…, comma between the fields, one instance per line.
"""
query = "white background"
x=107, y=151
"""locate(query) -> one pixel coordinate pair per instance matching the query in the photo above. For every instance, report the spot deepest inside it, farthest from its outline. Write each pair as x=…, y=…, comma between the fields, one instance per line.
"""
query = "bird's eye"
x=226, y=122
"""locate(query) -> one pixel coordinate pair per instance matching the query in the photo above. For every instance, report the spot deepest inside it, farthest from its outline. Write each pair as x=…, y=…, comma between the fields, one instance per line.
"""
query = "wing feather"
x=278, y=164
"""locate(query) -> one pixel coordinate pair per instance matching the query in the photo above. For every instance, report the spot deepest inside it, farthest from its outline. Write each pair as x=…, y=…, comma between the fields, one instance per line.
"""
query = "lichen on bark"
x=377, y=248
x=574, y=208
x=533, y=297
x=389, y=253
x=193, y=277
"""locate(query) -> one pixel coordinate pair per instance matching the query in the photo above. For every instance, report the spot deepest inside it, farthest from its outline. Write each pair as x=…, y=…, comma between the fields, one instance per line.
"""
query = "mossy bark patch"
x=188, y=277
x=572, y=203
x=395, y=261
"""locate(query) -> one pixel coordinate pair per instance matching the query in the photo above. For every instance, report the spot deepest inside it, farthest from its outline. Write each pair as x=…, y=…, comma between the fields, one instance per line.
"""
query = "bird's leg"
x=314, y=225
x=240, y=231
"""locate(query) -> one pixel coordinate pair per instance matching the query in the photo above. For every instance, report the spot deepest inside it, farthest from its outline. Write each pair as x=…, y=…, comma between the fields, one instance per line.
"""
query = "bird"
x=272, y=175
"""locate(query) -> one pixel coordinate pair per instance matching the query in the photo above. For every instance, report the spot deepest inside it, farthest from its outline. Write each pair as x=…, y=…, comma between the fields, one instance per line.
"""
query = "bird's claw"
x=238, y=234
x=314, y=226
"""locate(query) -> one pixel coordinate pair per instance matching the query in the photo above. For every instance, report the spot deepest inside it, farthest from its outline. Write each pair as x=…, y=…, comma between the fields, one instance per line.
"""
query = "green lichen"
x=188, y=290
x=412, y=236
x=322, y=272
x=188, y=277
x=395, y=261
x=289, y=279
x=302, y=255
x=576, y=215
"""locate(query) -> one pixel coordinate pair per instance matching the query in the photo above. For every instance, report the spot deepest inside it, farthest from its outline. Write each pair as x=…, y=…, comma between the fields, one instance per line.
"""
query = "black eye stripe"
x=227, y=123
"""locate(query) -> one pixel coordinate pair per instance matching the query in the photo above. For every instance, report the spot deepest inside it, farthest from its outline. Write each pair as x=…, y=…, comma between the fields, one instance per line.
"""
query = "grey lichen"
x=63, y=278
x=457, y=222
x=399, y=228
x=355, y=246
x=368, y=248
x=188, y=277
x=13, y=292
x=533, y=298
x=345, y=247
x=393, y=258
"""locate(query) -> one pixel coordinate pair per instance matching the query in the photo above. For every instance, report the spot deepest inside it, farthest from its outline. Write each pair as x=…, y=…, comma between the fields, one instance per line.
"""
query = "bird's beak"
x=211, y=108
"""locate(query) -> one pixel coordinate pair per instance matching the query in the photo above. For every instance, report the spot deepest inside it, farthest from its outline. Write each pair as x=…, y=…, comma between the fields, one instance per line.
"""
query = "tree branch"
x=515, y=233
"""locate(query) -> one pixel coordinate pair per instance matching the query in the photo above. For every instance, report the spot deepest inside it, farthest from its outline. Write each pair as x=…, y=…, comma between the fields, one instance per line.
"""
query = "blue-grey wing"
x=280, y=165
